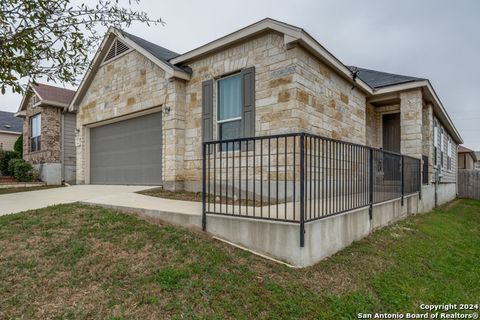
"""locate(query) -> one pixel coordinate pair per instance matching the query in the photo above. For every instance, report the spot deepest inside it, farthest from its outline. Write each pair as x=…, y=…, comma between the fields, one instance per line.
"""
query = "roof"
x=157, y=51
x=8, y=122
x=379, y=79
x=462, y=149
x=53, y=94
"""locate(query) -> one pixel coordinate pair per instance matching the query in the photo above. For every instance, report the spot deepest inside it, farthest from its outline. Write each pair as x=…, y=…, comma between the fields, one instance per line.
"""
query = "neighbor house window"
x=229, y=117
x=35, y=133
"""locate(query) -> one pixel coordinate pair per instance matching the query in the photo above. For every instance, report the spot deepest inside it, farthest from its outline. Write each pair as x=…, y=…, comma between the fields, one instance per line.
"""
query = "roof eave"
x=437, y=102
x=11, y=132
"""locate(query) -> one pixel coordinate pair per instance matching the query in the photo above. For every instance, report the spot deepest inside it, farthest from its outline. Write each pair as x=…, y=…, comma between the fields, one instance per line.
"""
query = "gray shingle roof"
x=378, y=79
x=157, y=51
x=8, y=122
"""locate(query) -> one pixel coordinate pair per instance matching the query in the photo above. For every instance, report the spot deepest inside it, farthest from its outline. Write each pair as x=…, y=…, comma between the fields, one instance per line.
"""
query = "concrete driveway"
x=18, y=202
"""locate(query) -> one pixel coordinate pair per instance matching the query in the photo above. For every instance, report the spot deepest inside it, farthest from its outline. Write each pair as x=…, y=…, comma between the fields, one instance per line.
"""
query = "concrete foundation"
x=69, y=174
x=323, y=237
x=50, y=173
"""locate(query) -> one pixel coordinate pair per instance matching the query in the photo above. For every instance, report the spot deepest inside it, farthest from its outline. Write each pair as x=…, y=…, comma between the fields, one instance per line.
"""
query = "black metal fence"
x=300, y=177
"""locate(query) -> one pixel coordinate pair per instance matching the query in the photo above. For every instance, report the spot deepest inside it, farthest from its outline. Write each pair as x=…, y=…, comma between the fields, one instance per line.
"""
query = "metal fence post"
x=402, y=164
x=302, y=190
x=420, y=179
x=370, y=185
x=204, y=187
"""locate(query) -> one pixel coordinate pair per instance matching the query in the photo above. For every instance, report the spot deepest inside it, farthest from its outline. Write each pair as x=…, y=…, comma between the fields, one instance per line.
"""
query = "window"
x=230, y=108
x=435, y=143
x=449, y=154
x=441, y=148
x=35, y=133
x=425, y=170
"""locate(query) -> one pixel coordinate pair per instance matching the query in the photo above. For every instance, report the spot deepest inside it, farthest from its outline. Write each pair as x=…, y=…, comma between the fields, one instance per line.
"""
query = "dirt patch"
x=197, y=197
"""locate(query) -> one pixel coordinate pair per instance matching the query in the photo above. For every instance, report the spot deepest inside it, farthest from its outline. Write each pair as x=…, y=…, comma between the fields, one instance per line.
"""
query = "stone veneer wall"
x=50, y=141
x=293, y=91
x=327, y=104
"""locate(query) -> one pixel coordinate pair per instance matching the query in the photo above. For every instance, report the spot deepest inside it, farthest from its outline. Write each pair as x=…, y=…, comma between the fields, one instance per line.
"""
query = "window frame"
x=36, y=140
x=229, y=120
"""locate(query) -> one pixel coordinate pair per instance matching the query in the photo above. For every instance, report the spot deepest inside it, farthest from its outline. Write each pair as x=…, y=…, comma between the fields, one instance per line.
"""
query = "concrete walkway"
x=22, y=201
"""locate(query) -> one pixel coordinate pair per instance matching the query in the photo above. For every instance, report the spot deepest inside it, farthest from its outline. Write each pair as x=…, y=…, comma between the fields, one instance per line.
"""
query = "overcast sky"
x=438, y=40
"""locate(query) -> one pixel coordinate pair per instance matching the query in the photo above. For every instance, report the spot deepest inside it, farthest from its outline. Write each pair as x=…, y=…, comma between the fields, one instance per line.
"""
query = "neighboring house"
x=49, y=132
x=477, y=164
x=467, y=158
x=10, y=130
x=143, y=110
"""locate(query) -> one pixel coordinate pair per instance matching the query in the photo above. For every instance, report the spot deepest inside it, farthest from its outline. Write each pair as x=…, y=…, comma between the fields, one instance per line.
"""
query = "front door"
x=391, y=142
x=391, y=132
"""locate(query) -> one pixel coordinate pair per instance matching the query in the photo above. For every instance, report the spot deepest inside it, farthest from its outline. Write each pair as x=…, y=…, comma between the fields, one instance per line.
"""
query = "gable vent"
x=117, y=48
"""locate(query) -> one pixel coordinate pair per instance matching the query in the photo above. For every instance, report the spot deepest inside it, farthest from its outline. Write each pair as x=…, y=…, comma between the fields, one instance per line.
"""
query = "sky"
x=438, y=40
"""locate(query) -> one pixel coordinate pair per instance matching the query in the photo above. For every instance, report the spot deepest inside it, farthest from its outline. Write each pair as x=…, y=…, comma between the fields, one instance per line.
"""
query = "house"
x=477, y=164
x=10, y=130
x=142, y=101
x=49, y=132
x=467, y=158
x=267, y=114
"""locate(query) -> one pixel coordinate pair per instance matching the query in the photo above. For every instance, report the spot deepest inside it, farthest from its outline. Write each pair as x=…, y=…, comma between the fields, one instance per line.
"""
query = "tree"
x=18, y=146
x=52, y=39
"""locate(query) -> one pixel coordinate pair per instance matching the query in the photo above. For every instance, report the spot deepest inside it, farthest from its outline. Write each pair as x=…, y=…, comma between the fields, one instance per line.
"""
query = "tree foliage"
x=52, y=39
x=18, y=146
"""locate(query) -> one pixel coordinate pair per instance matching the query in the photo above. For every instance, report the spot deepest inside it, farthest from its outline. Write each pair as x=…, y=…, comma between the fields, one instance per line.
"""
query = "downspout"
x=62, y=149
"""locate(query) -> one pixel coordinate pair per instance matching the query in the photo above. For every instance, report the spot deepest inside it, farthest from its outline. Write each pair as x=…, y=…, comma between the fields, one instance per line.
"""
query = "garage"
x=127, y=152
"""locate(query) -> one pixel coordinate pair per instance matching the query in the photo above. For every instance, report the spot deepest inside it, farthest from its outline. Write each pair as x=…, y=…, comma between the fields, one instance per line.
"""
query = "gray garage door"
x=127, y=152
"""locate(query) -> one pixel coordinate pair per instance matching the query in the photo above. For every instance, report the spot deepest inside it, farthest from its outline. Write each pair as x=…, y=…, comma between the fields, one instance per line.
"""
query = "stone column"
x=411, y=123
x=427, y=136
x=173, y=119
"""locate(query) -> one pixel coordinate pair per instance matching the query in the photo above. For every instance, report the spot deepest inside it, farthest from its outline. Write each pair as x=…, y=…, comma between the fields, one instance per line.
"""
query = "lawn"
x=25, y=189
x=78, y=262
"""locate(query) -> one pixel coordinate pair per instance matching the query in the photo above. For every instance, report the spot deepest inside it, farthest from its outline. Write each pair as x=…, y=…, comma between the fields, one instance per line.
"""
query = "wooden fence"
x=469, y=184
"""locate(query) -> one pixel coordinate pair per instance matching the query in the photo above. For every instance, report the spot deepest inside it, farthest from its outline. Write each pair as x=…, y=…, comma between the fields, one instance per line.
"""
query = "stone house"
x=467, y=158
x=143, y=110
x=10, y=130
x=49, y=132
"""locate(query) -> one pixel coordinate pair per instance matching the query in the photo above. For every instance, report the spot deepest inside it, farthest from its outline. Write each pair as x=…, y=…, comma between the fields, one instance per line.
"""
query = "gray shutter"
x=248, y=107
x=207, y=110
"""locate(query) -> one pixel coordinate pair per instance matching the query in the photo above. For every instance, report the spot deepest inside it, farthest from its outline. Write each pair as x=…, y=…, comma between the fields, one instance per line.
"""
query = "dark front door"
x=391, y=132
x=391, y=142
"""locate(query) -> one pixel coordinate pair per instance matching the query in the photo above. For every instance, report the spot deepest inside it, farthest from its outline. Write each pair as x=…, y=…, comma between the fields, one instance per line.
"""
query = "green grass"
x=79, y=262
x=25, y=189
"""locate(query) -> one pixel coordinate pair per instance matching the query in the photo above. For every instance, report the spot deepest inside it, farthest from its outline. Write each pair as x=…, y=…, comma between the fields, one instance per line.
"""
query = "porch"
x=297, y=179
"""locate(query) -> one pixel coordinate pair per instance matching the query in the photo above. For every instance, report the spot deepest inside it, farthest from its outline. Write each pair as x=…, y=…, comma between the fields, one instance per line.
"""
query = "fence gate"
x=469, y=184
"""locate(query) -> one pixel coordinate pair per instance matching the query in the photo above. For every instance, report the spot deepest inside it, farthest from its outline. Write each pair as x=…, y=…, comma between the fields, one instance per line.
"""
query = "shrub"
x=22, y=171
x=18, y=147
x=11, y=165
x=5, y=158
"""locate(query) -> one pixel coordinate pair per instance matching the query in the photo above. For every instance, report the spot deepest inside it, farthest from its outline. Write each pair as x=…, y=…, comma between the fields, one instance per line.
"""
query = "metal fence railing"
x=300, y=177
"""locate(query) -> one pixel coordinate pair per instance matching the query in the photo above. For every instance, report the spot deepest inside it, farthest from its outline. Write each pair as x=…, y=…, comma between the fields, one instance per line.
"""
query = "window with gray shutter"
x=248, y=105
x=207, y=110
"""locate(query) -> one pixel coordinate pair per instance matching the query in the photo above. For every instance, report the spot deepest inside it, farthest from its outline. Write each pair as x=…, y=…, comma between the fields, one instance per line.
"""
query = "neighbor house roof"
x=462, y=149
x=54, y=94
x=47, y=95
x=9, y=123
x=379, y=79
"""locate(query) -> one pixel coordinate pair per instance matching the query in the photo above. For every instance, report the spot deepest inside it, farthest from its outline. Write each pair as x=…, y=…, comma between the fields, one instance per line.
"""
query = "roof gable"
x=155, y=53
x=47, y=95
